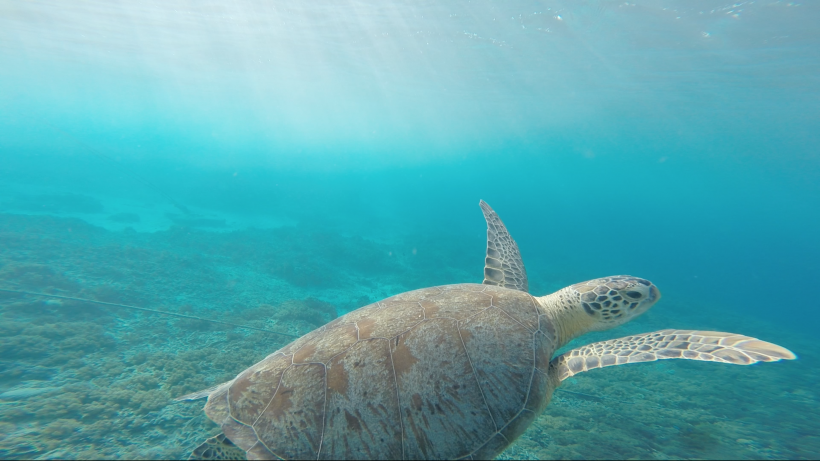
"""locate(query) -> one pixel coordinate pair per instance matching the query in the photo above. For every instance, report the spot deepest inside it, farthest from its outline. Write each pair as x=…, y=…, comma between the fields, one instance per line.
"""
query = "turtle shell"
x=449, y=372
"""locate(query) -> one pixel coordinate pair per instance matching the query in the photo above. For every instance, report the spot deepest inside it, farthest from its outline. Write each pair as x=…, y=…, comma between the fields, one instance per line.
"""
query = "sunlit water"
x=229, y=160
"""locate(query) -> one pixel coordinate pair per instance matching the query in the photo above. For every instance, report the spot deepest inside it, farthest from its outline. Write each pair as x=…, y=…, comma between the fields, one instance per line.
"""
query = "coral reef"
x=80, y=380
x=309, y=310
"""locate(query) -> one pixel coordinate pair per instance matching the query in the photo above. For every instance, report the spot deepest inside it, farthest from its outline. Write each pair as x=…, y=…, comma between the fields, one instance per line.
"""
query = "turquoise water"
x=275, y=165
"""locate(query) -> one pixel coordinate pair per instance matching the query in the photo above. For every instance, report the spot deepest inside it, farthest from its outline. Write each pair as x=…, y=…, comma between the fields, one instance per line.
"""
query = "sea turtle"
x=455, y=371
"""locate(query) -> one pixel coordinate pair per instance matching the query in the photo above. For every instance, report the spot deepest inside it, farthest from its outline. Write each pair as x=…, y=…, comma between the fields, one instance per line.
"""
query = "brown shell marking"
x=445, y=372
x=361, y=412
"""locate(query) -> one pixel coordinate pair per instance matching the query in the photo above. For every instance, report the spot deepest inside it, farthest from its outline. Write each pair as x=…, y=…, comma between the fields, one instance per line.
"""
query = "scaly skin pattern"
x=502, y=266
x=708, y=346
x=598, y=304
x=217, y=447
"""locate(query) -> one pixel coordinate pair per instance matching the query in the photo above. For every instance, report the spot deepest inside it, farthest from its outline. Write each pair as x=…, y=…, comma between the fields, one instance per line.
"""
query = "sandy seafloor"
x=83, y=381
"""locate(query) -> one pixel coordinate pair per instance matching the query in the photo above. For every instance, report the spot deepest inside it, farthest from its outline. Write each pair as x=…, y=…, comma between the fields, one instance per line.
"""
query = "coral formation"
x=82, y=380
x=310, y=311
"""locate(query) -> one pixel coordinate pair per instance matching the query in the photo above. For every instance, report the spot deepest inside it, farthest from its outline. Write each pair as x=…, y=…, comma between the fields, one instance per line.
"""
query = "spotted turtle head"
x=613, y=301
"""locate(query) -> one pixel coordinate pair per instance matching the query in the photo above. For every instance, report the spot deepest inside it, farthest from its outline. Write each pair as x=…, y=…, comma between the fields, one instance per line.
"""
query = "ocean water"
x=277, y=164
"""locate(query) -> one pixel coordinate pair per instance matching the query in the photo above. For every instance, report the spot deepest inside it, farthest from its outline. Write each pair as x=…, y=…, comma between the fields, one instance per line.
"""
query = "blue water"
x=212, y=158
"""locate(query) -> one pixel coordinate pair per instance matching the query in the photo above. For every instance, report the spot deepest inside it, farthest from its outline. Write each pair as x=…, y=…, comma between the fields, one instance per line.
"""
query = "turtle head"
x=613, y=301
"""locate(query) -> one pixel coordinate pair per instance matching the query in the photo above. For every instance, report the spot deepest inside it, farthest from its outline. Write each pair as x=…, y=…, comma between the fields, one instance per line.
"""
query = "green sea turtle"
x=455, y=371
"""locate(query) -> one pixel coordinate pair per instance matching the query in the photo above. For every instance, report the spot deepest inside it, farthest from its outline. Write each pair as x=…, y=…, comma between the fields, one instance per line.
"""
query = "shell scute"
x=436, y=372
x=457, y=302
x=501, y=353
x=443, y=413
x=322, y=348
x=253, y=389
x=543, y=348
x=539, y=393
x=518, y=425
x=242, y=435
x=291, y=426
x=416, y=295
x=517, y=304
x=392, y=319
x=492, y=447
x=362, y=404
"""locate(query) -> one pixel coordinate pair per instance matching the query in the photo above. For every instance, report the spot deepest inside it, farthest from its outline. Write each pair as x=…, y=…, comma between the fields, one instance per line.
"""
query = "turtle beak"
x=654, y=294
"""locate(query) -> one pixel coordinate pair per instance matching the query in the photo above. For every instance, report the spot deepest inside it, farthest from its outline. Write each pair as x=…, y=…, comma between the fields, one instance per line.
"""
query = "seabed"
x=84, y=381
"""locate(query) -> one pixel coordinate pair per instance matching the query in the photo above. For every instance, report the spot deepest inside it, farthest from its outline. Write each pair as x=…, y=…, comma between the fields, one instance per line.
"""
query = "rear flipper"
x=218, y=447
x=712, y=346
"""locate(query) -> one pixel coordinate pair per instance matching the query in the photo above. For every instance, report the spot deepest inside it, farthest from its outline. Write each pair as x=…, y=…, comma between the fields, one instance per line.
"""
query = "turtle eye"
x=634, y=294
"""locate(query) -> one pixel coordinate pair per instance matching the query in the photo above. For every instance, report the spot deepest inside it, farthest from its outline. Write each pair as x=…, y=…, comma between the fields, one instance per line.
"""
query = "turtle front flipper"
x=503, y=265
x=711, y=346
x=218, y=447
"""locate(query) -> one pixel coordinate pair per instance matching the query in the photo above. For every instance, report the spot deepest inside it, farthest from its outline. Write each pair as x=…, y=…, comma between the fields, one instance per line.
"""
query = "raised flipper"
x=712, y=346
x=503, y=265
x=218, y=447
